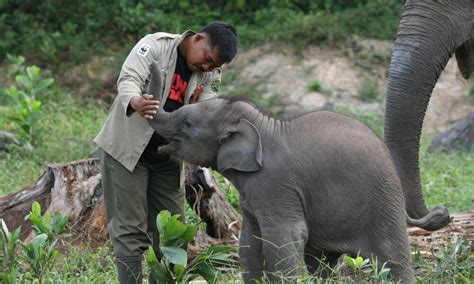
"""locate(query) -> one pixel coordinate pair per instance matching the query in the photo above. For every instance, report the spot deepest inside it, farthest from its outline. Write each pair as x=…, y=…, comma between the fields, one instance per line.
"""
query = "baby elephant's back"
x=345, y=158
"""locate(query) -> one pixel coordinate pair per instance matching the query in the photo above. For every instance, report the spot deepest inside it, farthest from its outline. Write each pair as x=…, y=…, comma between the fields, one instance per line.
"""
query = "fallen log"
x=74, y=190
x=462, y=226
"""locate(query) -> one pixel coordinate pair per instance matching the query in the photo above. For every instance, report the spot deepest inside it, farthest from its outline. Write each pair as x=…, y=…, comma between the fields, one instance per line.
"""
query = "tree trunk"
x=73, y=189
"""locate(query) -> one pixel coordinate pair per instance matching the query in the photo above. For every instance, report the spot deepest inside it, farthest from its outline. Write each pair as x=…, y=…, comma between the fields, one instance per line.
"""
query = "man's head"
x=213, y=46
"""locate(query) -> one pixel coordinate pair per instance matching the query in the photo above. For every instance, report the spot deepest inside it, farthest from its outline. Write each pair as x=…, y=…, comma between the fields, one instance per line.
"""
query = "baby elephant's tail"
x=437, y=217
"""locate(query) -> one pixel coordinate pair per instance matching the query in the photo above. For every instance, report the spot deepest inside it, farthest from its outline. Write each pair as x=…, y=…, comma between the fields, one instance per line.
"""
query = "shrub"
x=314, y=86
x=173, y=266
x=24, y=94
x=368, y=91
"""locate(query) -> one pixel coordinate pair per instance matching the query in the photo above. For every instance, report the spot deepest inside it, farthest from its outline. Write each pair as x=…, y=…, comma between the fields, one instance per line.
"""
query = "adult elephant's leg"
x=250, y=249
x=284, y=236
x=429, y=33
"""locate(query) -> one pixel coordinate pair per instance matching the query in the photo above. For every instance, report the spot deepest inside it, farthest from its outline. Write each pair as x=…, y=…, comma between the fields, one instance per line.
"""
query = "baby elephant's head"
x=211, y=134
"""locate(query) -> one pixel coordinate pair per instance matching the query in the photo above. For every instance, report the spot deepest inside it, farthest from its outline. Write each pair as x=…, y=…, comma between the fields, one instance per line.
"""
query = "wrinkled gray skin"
x=428, y=35
x=319, y=183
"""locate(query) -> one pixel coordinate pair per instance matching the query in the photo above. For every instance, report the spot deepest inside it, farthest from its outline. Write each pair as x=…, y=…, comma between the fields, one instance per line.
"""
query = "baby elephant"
x=319, y=184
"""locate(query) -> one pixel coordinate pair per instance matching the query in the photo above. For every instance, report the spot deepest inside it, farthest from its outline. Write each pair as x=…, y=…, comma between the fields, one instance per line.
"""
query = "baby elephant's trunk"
x=155, y=87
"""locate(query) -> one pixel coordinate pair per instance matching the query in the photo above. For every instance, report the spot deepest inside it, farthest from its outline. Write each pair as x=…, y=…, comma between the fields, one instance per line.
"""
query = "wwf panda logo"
x=143, y=50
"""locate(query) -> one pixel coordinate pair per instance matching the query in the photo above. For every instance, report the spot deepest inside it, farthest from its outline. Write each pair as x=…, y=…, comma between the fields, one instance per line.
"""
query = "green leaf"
x=36, y=105
x=350, y=261
x=179, y=272
x=174, y=255
x=24, y=113
x=33, y=72
x=161, y=220
x=59, y=223
x=173, y=229
x=189, y=234
x=209, y=274
x=5, y=228
x=36, y=208
x=13, y=93
x=359, y=261
x=43, y=84
x=158, y=270
x=23, y=80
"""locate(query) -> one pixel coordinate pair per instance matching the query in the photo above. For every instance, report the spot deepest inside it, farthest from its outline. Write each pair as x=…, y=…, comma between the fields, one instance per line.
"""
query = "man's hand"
x=197, y=92
x=145, y=105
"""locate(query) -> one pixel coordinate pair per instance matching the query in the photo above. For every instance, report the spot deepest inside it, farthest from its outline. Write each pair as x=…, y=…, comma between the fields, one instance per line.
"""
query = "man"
x=137, y=182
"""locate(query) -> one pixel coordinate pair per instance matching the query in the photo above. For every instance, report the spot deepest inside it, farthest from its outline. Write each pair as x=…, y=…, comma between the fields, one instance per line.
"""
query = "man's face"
x=200, y=56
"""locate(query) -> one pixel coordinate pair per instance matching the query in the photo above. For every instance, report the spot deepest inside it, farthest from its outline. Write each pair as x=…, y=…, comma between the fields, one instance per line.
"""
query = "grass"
x=67, y=129
x=368, y=91
x=447, y=178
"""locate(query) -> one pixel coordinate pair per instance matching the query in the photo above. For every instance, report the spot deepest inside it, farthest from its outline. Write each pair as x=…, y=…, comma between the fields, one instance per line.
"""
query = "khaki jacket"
x=124, y=137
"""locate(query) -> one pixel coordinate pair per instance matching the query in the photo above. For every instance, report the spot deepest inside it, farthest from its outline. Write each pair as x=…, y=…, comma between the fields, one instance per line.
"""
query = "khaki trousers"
x=133, y=200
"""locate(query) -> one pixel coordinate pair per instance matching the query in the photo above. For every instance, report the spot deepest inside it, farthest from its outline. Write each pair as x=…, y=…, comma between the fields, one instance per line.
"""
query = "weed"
x=8, y=246
x=368, y=91
x=52, y=227
x=314, y=86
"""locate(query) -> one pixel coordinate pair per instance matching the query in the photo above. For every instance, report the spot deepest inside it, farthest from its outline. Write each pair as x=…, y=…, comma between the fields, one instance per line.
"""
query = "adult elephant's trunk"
x=427, y=37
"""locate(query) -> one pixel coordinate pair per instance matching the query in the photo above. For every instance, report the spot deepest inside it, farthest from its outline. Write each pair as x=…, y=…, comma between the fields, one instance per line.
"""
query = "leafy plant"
x=40, y=255
x=8, y=245
x=26, y=109
x=51, y=226
x=368, y=268
x=173, y=265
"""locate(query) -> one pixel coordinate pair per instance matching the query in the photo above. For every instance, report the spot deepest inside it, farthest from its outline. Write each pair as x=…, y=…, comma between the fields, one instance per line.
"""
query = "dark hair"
x=223, y=36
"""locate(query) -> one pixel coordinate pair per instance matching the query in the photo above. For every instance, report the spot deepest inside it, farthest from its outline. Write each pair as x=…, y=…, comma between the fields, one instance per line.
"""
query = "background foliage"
x=61, y=33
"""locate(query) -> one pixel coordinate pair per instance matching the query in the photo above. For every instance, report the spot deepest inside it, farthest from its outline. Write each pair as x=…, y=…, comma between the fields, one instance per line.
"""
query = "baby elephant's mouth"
x=169, y=148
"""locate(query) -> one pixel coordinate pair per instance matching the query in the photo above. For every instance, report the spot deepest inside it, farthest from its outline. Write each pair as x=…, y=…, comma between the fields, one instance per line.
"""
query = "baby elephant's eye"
x=187, y=123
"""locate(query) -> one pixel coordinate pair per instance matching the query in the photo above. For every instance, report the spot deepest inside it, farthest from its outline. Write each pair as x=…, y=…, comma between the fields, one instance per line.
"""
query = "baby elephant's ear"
x=241, y=148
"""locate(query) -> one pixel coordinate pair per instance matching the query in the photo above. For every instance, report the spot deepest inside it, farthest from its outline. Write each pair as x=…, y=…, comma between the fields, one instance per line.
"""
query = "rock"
x=449, y=101
x=459, y=136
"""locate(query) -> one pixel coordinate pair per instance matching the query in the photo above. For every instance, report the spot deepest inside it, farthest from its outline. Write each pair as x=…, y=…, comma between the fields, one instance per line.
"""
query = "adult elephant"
x=428, y=35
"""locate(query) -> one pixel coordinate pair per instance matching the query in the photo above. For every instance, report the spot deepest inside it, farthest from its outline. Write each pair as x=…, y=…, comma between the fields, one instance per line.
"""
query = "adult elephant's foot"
x=436, y=218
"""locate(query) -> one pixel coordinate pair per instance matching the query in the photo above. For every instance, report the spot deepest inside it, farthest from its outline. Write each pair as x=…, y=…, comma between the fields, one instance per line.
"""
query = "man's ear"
x=198, y=37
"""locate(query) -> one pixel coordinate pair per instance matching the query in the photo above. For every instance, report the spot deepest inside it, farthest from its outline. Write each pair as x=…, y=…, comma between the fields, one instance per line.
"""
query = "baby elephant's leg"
x=250, y=250
x=391, y=246
x=284, y=239
x=320, y=263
